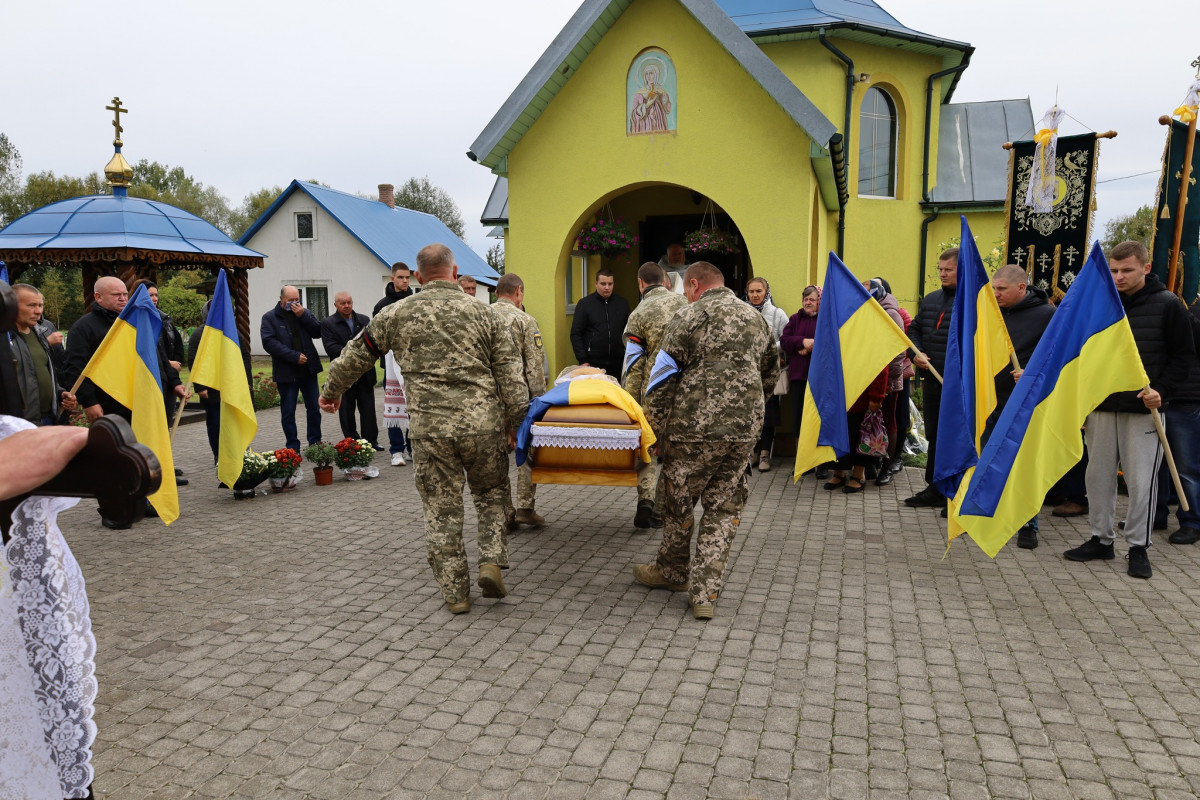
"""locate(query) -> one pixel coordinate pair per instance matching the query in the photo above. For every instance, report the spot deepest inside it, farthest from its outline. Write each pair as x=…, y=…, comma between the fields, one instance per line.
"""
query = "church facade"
x=792, y=128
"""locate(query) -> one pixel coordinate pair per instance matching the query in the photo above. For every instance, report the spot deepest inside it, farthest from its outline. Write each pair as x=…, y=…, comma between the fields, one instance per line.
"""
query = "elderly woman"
x=797, y=343
x=758, y=294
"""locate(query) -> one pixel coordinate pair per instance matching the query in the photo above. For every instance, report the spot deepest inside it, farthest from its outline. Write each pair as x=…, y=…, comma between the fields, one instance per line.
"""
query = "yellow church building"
x=792, y=127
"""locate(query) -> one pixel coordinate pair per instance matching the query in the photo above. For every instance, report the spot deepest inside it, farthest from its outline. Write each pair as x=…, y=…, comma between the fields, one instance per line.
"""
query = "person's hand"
x=297, y=309
x=203, y=393
x=55, y=338
x=1017, y=373
x=94, y=412
x=512, y=440
x=175, y=365
x=873, y=406
x=68, y=401
x=1151, y=398
x=42, y=453
x=921, y=360
x=329, y=406
x=303, y=359
x=182, y=391
x=808, y=345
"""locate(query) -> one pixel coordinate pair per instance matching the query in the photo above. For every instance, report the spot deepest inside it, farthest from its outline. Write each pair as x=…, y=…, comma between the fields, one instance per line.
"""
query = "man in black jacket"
x=1027, y=311
x=398, y=289
x=43, y=397
x=930, y=332
x=287, y=333
x=336, y=330
x=1183, y=434
x=1120, y=432
x=85, y=336
x=599, y=326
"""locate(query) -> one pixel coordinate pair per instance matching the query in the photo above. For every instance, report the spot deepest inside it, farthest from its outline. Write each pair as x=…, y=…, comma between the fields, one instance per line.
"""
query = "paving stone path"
x=294, y=646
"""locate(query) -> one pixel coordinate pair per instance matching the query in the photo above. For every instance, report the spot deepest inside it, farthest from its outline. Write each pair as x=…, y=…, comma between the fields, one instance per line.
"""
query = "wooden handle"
x=1162, y=438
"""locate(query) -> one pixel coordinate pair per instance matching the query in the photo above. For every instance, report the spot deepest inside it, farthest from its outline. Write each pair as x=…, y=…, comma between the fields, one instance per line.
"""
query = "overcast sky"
x=252, y=94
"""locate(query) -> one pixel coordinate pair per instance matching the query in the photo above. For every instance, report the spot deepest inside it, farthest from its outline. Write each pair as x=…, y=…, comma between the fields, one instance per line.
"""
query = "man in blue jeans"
x=287, y=333
x=1183, y=434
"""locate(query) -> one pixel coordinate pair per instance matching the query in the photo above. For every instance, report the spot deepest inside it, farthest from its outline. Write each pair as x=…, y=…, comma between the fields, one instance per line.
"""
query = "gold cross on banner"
x=117, y=111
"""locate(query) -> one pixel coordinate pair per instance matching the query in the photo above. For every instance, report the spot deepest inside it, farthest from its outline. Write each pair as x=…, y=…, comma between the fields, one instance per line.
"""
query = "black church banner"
x=1166, y=210
x=1052, y=247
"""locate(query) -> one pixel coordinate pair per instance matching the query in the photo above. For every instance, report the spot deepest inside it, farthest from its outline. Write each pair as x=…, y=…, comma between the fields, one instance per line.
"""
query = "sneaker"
x=1090, y=550
x=527, y=516
x=1070, y=509
x=460, y=608
x=896, y=465
x=764, y=461
x=1027, y=538
x=702, y=610
x=1139, y=563
x=397, y=459
x=650, y=575
x=1184, y=536
x=885, y=477
x=490, y=581
x=928, y=497
x=645, y=510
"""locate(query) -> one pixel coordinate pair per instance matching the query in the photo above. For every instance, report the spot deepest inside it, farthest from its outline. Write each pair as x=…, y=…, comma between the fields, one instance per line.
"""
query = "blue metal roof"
x=755, y=16
x=107, y=222
x=390, y=234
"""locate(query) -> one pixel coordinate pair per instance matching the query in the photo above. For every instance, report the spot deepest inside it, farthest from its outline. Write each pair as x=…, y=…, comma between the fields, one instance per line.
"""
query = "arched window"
x=877, y=145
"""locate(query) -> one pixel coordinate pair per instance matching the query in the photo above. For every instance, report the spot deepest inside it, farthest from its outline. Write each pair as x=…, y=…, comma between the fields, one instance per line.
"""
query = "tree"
x=253, y=206
x=44, y=188
x=10, y=166
x=185, y=305
x=495, y=257
x=1137, y=227
x=420, y=194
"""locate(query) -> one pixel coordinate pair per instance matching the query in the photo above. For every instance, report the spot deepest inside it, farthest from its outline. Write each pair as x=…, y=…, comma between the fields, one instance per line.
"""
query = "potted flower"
x=282, y=467
x=254, y=472
x=606, y=236
x=353, y=457
x=711, y=240
x=321, y=455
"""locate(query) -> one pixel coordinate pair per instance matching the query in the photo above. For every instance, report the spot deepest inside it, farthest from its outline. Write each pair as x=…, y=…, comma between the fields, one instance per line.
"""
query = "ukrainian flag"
x=125, y=365
x=218, y=365
x=1086, y=354
x=855, y=340
x=977, y=350
x=583, y=391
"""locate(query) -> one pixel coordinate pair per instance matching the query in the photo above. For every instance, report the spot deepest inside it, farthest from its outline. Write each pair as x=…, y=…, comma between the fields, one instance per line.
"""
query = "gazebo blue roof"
x=109, y=222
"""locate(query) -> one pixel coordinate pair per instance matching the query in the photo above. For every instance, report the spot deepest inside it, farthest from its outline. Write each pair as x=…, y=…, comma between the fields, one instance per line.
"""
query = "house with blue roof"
x=323, y=241
x=793, y=127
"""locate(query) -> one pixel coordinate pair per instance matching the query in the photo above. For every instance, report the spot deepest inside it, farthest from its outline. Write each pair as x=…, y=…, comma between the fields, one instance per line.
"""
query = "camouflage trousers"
x=439, y=464
x=650, y=488
x=525, y=489
x=713, y=473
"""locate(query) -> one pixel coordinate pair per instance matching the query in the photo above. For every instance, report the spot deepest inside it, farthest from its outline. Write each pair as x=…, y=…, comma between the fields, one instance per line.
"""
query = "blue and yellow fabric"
x=584, y=391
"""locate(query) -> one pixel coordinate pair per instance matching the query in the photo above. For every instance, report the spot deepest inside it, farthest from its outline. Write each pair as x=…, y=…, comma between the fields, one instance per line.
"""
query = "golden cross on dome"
x=1196, y=64
x=117, y=111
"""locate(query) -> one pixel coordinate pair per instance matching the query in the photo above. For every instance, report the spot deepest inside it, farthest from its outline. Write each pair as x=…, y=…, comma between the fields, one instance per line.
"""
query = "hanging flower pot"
x=606, y=236
x=711, y=240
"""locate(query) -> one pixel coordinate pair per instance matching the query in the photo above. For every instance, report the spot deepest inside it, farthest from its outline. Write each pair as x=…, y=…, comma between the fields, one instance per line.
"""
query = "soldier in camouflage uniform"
x=705, y=400
x=465, y=389
x=527, y=337
x=643, y=335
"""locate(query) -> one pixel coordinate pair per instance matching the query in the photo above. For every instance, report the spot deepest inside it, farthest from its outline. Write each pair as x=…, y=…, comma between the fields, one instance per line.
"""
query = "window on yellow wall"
x=877, y=145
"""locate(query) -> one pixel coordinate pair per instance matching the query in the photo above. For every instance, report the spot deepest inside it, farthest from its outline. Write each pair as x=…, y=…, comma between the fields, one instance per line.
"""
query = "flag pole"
x=1162, y=437
x=1181, y=205
x=179, y=411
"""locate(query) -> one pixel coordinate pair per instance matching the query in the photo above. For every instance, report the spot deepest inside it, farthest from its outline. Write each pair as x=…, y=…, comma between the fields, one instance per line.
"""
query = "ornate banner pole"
x=1172, y=268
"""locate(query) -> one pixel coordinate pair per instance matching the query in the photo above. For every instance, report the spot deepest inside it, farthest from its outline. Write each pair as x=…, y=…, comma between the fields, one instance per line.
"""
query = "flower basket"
x=606, y=236
x=254, y=472
x=353, y=453
x=280, y=485
x=711, y=240
x=360, y=473
x=283, y=463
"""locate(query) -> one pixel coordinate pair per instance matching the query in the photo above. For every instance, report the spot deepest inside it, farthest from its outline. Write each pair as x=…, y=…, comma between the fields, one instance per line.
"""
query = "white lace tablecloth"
x=586, y=438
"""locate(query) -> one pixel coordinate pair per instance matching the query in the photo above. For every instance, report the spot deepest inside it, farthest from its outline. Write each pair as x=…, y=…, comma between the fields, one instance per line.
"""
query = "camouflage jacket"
x=527, y=338
x=462, y=374
x=643, y=336
x=712, y=376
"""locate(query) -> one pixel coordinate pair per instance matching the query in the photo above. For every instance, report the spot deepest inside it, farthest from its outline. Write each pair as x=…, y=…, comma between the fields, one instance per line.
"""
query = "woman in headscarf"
x=797, y=344
x=758, y=294
x=895, y=377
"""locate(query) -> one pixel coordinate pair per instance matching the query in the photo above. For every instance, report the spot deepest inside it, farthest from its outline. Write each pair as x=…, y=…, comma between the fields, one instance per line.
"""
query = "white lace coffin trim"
x=586, y=438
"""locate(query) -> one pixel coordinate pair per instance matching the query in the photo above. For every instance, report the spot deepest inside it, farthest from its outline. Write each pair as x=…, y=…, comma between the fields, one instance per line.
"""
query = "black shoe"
x=1091, y=550
x=178, y=471
x=1184, y=536
x=1027, y=538
x=928, y=497
x=645, y=510
x=110, y=524
x=151, y=511
x=884, y=478
x=181, y=481
x=896, y=465
x=1139, y=563
x=945, y=512
x=823, y=473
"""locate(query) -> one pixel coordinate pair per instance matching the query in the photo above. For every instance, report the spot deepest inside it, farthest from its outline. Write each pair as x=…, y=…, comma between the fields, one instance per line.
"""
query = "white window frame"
x=296, y=225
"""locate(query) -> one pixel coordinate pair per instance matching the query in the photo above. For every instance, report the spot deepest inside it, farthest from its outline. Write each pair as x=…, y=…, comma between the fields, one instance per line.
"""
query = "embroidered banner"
x=1187, y=278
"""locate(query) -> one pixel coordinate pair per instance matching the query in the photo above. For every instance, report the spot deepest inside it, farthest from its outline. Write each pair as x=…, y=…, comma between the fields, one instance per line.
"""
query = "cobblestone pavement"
x=295, y=646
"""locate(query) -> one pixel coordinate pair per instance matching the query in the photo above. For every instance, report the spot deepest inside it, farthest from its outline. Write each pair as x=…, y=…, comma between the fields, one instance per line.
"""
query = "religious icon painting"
x=650, y=93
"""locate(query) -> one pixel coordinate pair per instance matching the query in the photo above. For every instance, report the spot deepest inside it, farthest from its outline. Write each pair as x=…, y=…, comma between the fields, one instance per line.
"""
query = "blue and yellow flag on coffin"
x=1086, y=354
x=978, y=349
x=584, y=391
x=125, y=365
x=218, y=365
x=855, y=340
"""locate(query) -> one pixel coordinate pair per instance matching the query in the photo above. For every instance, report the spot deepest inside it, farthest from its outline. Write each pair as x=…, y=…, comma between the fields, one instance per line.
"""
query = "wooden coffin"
x=585, y=466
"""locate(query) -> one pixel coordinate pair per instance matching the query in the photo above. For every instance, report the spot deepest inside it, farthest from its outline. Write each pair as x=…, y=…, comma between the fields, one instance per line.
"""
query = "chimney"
x=387, y=194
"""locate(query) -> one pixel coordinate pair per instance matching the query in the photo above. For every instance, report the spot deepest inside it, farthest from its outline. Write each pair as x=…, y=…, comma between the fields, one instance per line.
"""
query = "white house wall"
x=333, y=259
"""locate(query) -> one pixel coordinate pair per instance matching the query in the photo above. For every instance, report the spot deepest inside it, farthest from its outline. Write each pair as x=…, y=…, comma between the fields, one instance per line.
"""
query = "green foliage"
x=63, y=289
x=993, y=259
x=495, y=257
x=253, y=206
x=321, y=454
x=1138, y=227
x=185, y=306
x=10, y=166
x=43, y=188
x=264, y=392
x=420, y=194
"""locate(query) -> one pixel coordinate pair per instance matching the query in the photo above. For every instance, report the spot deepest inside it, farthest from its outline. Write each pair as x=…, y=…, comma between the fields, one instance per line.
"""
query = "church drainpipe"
x=845, y=133
x=925, y=223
